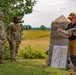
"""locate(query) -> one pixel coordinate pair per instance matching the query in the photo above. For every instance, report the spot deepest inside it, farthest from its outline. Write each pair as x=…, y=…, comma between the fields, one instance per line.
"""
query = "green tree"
x=22, y=27
x=27, y=27
x=42, y=27
x=13, y=8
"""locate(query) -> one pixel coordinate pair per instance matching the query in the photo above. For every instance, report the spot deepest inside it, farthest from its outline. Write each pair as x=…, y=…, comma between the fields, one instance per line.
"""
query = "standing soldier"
x=2, y=37
x=14, y=37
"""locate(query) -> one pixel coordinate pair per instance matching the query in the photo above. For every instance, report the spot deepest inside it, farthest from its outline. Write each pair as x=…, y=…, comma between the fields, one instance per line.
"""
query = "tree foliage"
x=42, y=27
x=27, y=27
x=12, y=8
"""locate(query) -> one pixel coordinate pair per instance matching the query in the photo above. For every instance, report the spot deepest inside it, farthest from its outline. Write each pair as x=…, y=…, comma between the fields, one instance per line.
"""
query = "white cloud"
x=45, y=11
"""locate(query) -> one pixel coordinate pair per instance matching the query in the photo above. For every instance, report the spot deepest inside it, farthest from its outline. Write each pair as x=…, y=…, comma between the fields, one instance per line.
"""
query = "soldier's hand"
x=74, y=33
x=59, y=29
x=3, y=42
x=10, y=42
x=18, y=42
x=69, y=33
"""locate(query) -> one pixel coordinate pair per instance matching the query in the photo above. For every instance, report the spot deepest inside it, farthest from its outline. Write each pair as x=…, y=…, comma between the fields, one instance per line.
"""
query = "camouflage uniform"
x=14, y=38
x=2, y=40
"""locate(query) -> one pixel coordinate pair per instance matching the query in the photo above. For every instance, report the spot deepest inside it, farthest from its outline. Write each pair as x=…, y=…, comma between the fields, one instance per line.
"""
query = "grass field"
x=29, y=67
x=36, y=38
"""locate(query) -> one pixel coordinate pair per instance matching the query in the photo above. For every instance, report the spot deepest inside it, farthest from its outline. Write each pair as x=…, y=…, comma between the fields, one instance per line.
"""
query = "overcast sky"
x=46, y=11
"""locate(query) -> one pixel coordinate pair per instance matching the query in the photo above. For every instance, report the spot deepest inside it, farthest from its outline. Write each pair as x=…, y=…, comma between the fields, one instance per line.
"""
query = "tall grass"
x=36, y=33
x=36, y=38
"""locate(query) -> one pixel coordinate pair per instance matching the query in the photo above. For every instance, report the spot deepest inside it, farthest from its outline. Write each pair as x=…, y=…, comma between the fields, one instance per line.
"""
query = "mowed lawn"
x=29, y=67
x=39, y=39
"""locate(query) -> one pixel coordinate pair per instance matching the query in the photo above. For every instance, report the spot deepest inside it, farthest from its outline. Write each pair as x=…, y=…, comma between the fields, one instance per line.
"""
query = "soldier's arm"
x=3, y=34
x=20, y=33
x=61, y=30
x=9, y=32
x=74, y=33
x=68, y=33
x=72, y=29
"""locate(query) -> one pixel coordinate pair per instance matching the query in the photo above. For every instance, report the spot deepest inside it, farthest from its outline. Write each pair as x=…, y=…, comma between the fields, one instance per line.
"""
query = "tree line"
x=29, y=27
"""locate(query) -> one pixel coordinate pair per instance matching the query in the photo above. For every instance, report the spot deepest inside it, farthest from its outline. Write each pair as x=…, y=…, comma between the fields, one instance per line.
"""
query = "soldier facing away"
x=2, y=37
x=14, y=37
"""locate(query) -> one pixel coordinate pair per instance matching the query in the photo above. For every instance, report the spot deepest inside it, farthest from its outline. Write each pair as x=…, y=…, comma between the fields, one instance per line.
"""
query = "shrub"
x=6, y=51
x=31, y=53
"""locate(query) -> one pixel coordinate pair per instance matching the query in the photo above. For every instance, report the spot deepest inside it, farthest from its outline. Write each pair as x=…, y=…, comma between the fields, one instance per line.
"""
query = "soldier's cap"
x=1, y=14
x=72, y=15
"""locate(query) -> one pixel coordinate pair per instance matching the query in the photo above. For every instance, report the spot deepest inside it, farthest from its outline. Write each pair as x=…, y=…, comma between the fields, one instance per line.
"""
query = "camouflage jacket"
x=2, y=31
x=14, y=32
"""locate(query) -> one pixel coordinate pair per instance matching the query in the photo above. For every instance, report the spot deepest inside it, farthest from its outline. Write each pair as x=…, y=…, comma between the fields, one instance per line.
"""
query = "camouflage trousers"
x=14, y=49
x=1, y=51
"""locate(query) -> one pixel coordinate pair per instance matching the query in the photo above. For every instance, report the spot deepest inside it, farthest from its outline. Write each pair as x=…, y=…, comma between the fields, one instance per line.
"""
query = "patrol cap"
x=72, y=15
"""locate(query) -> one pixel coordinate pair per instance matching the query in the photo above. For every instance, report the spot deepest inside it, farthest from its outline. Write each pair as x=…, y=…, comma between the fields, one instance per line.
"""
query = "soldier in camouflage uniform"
x=14, y=37
x=2, y=37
